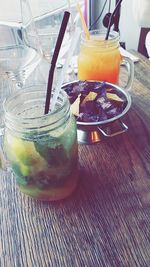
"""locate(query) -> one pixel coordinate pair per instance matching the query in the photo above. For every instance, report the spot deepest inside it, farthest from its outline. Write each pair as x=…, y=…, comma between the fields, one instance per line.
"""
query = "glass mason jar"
x=100, y=59
x=42, y=149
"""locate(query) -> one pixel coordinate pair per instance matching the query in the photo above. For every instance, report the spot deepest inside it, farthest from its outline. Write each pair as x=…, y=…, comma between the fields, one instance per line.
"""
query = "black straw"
x=54, y=59
x=110, y=20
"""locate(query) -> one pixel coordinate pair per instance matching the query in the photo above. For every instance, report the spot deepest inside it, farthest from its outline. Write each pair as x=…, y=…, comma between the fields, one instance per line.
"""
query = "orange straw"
x=87, y=34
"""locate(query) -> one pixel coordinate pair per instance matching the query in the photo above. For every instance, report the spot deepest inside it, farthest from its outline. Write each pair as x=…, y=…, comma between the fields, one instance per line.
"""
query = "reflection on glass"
x=48, y=16
x=19, y=54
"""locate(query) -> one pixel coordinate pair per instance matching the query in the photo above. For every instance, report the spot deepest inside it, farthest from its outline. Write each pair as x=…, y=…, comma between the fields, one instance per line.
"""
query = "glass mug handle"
x=129, y=65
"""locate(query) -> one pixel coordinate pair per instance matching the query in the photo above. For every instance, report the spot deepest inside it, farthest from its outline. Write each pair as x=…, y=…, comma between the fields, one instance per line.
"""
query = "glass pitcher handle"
x=3, y=161
x=129, y=65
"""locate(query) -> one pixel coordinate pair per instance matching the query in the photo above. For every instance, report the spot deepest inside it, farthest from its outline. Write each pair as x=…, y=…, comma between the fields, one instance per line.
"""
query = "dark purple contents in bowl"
x=95, y=101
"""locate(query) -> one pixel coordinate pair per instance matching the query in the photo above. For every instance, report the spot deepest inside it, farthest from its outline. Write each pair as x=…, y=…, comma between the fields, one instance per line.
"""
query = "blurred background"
x=93, y=9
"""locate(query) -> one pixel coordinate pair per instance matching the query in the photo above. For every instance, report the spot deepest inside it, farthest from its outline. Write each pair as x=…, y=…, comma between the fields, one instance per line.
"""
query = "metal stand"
x=141, y=45
x=117, y=18
x=95, y=7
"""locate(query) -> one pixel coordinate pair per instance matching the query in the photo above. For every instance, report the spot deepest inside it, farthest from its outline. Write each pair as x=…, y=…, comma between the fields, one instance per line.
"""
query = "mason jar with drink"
x=100, y=59
x=41, y=149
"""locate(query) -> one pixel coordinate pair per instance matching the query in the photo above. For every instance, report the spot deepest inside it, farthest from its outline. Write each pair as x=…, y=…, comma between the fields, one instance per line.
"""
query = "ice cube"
x=104, y=103
x=89, y=107
x=112, y=112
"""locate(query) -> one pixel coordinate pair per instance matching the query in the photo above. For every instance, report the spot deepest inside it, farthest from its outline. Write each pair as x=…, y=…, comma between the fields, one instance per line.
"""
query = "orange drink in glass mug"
x=100, y=59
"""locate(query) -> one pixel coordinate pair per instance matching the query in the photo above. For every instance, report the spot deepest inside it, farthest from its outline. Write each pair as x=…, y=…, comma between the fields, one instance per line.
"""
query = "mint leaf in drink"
x=53, y=155
x=20, y=178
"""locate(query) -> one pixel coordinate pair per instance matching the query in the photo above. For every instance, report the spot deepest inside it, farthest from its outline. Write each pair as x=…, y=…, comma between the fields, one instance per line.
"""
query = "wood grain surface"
x=106, y=221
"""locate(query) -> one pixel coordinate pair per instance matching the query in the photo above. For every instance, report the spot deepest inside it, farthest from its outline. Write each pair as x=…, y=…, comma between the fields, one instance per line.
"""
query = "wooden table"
x=106, y=222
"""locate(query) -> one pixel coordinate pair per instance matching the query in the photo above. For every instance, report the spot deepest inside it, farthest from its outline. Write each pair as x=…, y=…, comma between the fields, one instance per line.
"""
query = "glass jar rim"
x=113, y=37
x=101, y=32
x=47, y=119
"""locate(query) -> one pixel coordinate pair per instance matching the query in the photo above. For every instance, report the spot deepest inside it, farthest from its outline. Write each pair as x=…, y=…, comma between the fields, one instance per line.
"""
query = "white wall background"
x=128, y=27
x=129, y=30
